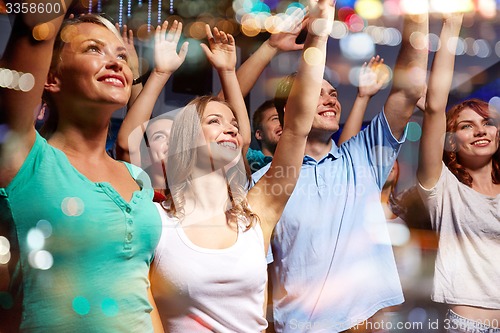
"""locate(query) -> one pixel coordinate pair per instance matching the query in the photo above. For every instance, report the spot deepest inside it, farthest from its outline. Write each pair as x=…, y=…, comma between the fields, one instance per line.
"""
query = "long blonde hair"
x=182, y=157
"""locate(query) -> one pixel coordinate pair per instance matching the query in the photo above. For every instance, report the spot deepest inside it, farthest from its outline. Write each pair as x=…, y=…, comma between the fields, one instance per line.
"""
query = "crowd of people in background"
x=188, y=229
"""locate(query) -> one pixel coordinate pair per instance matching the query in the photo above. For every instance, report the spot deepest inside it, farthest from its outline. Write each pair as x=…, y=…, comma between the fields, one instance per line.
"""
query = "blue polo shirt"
x=333, y=262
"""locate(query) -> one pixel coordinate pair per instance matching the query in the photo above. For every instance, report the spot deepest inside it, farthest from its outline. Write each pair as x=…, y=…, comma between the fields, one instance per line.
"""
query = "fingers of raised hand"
x=208, y=32
x=174, y=34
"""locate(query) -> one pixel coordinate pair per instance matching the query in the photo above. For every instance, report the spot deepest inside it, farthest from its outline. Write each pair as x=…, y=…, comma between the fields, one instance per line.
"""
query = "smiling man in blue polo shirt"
x=333, y=265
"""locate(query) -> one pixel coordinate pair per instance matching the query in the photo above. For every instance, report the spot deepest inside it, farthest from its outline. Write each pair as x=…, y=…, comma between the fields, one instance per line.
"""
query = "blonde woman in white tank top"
x=209, y=272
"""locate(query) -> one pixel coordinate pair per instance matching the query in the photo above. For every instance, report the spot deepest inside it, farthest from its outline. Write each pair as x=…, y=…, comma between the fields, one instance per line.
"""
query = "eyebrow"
x=472, y=121
x=329, y=91
x=101, y=43
x=159, y=131
x=218, y=115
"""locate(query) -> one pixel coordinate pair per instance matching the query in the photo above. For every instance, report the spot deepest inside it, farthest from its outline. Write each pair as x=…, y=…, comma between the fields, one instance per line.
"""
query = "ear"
x=53, y=83
x=258, y=134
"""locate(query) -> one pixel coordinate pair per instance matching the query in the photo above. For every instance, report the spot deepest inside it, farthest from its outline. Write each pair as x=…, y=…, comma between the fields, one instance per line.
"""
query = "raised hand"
x=133, y=59
x=372, y=77
x=289, y=30
x=222, y=51
x=167, y=60
x=321, y=15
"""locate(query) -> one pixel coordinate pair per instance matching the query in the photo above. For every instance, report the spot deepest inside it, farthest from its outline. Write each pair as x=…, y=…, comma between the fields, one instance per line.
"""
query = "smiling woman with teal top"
x=81, y=226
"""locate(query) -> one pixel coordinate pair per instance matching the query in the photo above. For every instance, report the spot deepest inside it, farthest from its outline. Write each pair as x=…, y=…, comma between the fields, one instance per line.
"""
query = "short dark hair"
x=283, y=92
x=258, y=115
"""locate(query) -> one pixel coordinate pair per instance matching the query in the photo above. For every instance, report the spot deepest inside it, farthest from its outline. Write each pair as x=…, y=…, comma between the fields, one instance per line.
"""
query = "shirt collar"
x=333, y=154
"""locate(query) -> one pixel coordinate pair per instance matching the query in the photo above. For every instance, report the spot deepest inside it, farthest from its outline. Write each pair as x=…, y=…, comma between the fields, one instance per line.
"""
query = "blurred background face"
x=158, y=134
x=93, y=67
x=270, y=129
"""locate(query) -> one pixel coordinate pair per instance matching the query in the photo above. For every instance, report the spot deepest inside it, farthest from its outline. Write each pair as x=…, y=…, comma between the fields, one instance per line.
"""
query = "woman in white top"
x=462, y=195
x=209, y=273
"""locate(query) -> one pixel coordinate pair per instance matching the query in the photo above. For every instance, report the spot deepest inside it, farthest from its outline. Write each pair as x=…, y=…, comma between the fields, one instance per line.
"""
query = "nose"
x=231, y=130
x=480, y=131
x=330, y=100
x=114, y=64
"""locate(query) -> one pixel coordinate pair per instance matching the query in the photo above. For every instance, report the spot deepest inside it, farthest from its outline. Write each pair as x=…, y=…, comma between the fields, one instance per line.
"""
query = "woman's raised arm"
x=434, y=123
x=222, y=56
x=167, y=61
x=27, y=58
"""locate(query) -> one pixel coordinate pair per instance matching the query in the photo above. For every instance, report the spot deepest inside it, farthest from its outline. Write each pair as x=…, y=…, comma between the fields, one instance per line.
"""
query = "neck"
x=318, y=144
x=268, y=151
x=81, y=141
x=482, y=180
x=207, y=195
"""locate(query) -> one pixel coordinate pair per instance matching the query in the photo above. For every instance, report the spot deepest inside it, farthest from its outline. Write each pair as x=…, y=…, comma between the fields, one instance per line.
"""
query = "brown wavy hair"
x=182, y=155
x=450, y=156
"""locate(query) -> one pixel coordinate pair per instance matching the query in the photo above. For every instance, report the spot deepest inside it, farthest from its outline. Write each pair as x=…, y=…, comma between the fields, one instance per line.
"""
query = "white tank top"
x=209, y=290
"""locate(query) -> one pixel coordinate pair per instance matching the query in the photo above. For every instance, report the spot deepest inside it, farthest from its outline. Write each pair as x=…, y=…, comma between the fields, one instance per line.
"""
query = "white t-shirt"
x=468, y=222
x=209, y=290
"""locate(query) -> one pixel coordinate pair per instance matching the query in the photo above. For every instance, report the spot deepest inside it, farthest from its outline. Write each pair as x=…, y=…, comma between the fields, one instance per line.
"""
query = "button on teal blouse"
x=84, y=252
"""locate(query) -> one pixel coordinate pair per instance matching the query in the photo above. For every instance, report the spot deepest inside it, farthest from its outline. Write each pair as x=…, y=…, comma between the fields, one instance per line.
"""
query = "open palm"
x=222, y=51
x=167, y=59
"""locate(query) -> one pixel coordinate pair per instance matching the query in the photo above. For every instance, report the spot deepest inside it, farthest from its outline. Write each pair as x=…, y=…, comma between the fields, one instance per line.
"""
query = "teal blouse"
x=84, y=252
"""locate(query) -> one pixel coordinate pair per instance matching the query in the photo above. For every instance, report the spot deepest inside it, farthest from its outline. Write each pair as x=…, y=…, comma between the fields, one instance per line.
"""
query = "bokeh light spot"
x=369, y=9
x=81, y=305
x=197, y=30
x=398, y=233
x=414, y=7
x=68, y=33
x=357, y=46
x=418, y=40
x=109, y=307
x=321, y=27
x=250, y=27
x=26, y=82
x=313, y=56
x=42, y=259
x=4, y=246
x=339, y=30
x=391, y=37
x=414, y=131
x=45, y=227
x=43, y=31
x=4, y=250
x=434, y=43
x=494, y=104
x=36, y=239
x=461, y=46
x=72, y=206
x=481, y=48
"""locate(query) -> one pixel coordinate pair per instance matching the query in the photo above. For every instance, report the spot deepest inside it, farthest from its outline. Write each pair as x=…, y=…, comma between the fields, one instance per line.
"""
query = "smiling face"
x=475, y=136
x=328, y=110
x=158, y=134
x=220, y=133
x=93, y=68
x=269, y=131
